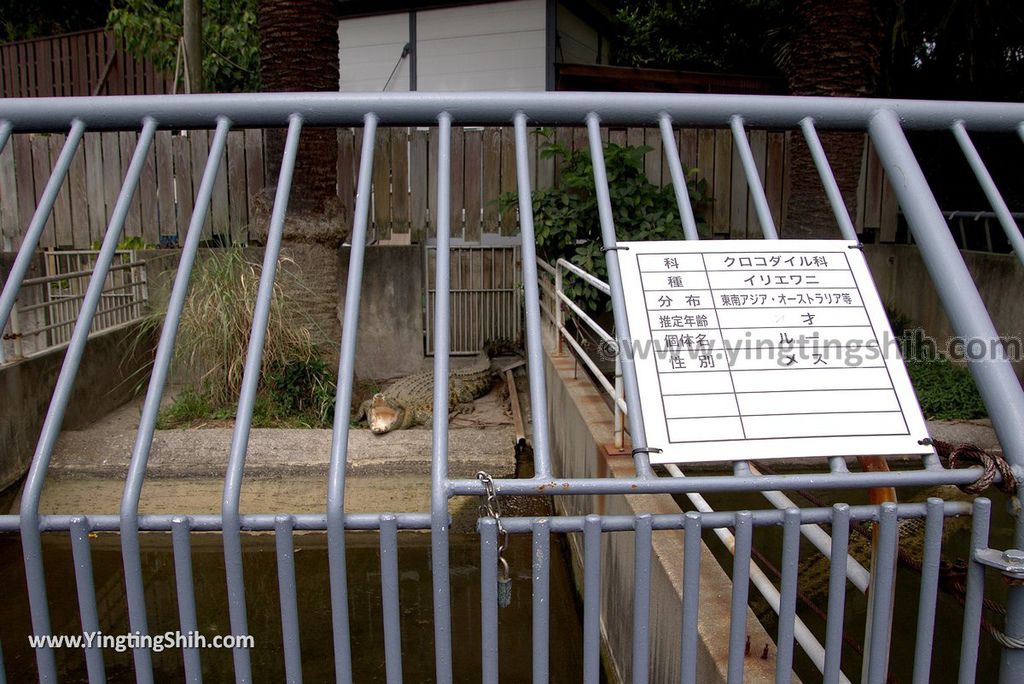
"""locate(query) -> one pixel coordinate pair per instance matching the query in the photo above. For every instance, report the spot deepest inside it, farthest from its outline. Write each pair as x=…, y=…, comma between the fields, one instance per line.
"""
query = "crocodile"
x=409, y=401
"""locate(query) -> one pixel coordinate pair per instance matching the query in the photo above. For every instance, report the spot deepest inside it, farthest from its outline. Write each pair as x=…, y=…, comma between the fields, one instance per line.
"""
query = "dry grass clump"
x=216, y=321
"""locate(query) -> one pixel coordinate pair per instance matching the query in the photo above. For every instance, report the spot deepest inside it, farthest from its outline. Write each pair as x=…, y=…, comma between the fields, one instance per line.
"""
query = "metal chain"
x=491, y=508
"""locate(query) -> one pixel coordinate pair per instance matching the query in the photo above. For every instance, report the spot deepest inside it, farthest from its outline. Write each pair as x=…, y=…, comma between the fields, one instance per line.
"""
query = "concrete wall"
x=390, y=339
x=905, y=285
x=581, y=429
x=107, y=377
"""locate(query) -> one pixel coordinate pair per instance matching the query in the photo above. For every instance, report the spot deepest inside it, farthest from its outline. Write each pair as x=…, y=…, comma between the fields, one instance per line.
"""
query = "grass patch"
x=945, y=390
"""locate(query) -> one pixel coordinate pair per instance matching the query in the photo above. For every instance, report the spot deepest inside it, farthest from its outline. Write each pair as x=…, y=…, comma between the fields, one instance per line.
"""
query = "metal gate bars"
x=884, y=120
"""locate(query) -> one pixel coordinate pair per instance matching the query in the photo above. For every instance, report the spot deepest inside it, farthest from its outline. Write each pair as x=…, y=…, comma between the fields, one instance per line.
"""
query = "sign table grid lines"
x=728, y=334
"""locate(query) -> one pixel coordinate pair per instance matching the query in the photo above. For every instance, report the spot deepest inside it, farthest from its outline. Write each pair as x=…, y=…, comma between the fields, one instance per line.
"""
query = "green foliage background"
x=230, y=39
x=566, y=219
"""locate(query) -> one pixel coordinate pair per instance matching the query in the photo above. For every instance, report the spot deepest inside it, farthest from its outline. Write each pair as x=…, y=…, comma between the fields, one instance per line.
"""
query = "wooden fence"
x=405, y=184
x=84, y=63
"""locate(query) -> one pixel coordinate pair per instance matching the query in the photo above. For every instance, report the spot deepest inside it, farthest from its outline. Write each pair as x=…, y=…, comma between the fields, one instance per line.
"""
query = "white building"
x=457, y=46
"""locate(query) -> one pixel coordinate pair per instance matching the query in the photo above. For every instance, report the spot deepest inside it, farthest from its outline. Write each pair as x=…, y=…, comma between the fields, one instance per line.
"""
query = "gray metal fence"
x=884, y=120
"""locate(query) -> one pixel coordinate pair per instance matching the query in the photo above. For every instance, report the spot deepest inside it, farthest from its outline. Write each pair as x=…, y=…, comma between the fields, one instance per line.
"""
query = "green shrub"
x=566, y=219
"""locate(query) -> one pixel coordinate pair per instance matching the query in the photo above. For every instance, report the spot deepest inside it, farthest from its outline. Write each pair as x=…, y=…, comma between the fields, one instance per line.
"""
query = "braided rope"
x=966, y=455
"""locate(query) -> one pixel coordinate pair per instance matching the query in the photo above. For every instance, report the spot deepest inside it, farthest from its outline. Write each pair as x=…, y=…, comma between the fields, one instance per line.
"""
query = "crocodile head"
x=384, y=414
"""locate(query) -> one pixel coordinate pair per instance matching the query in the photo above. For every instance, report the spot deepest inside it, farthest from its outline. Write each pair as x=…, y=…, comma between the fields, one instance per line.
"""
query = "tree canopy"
x=230, y=40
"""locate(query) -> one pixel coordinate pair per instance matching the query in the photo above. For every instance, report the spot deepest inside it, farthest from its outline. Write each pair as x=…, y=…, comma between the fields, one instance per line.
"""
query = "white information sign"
x=754, y=349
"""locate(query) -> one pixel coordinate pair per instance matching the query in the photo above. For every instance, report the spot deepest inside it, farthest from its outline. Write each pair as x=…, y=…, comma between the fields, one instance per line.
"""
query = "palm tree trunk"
x=299, y=53
x=836, y=52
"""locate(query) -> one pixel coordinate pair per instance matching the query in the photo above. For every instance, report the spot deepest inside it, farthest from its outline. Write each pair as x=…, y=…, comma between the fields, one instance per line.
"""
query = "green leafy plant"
x=566, y=219
x=230, y=39
x=945, y=389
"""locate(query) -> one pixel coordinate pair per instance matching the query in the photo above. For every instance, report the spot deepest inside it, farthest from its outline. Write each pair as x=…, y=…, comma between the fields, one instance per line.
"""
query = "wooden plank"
x=9, y=226
x=773, y=171
x=382, y=184
x=458, y=175
x=738, y=189
x=133, y=222
x=24, y=179
x=758, y=149
x=563, y=137
x=666, y=172
x=545, y=163
x=873, y=198
x=490, y=164
x=77, y=183
x=787, y=183
x=94, y=181
x=652, y=160
x=688, y=147
x=862, y=188
x=181, y=146
x=41, y=173
x=419, y=173
x=112, y=176
x=166, y=209
x=706, y=170
x=723, y=181
x=63, y=234
x=238, y=209
x=254, y=173
x=400, y=220
x=509, y=217
x=888, y=213
x=579, y=138
x=45, y=59
x=472, y=184
x=199, y=147
x=147, y=194
x=219, y=222
x=81, y=61
x=432, y=182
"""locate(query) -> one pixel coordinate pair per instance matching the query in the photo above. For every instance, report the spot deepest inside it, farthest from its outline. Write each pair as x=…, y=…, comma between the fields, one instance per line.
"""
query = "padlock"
x=504, y=586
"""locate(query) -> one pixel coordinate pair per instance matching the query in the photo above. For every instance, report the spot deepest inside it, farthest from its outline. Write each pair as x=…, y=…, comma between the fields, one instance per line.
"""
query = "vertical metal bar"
x=439, y=519
x=828, y=179
x=638, y=435
x=541, y=598
x=557, y=306
x=183, y=579
x=988, y=186
x=879, y=628
x=82, y=556
x=592, y=599
x=232, y=526
x=691, y=598
x=787, y=599
x=756, y=188
x=5, y=133
x=836, y=593
x=489, y=600
x=30, y=239
x=290, y=643
x=740, y=590
x=927, y=597
x=342, y=404
x=531, y=293
x=134, y=589
x=993, y=374
x=679, y=184
x=616, y=408
x=390, y=599
x=31, y=540
x=641, y=598
x=3, y=670
x=975, y=594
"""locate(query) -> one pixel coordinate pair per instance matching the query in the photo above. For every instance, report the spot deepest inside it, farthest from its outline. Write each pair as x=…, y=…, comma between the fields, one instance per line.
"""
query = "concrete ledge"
x=581, y=424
